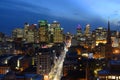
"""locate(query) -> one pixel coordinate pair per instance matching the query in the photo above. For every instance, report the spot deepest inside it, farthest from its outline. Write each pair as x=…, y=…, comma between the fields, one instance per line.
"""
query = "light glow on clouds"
x=84, y=11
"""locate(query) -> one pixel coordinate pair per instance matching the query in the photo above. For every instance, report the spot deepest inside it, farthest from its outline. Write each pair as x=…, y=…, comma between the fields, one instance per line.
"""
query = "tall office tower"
x=43, y=31
x=118, y=39
x=68, y=39
x=57, y=32
x=108, y=49
x=88, y=37
x=2, y=35
x=18, y=36
x=32, y=34
x=25, y=31
x=36, y=33
x=87, y=30
x=17, y=33
x=117, y=34
x=58, y=35
x=53, y=25
x=79, y=32
x=44, y=61
x=101, y=35
x=50, y=33
x=115, y=38
x=94, y=38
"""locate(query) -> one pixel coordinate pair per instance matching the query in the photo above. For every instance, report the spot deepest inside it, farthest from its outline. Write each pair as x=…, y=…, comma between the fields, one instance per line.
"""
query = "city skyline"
x=69, y=13
x=38, y=47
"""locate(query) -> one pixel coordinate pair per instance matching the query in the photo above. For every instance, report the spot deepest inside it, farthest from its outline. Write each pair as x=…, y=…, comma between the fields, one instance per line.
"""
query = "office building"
x=87, y=30
x=101, y=35
x=56, y=32
x=17, y=33
x=43, y=31
x=79, y=32
x=58, y=35
x=44, y=61
x=30, y=33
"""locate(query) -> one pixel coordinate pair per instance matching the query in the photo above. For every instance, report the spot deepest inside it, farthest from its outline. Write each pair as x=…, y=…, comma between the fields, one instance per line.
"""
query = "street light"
x=46, y=77
x=116, y=51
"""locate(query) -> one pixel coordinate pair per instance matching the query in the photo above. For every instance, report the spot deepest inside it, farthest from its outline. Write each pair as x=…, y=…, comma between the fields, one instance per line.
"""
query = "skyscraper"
x=53, y=25
x=25, y=31
x=87, y=30
x=17, y=33
x=58, y=32
x=58, y=35
x=100, y=35
x=43, y=31
x=32, y=34
x=79, y=32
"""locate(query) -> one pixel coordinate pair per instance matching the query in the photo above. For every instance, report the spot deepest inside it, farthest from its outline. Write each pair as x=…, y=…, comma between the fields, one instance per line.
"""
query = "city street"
x=56, y=71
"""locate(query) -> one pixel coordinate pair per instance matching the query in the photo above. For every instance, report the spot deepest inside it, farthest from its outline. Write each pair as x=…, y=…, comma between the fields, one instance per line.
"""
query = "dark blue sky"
x=70, y=13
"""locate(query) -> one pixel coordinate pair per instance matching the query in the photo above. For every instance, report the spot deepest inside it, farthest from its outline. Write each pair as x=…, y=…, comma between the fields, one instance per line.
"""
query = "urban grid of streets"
x=56, y=71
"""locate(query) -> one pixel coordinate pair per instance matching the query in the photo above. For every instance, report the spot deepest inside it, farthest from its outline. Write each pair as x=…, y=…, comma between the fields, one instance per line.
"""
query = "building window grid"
x=110, y=77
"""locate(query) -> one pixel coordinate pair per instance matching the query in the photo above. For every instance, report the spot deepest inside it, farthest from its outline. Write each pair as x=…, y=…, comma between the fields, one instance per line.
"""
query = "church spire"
x=109, y=34
x=108, y=50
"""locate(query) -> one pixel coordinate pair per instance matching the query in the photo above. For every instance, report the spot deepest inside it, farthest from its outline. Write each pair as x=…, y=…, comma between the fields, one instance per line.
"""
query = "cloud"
x=14, y=5
x=70, y=13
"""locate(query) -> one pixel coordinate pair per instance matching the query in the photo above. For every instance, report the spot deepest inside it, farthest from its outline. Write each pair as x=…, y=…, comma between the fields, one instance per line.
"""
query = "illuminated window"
x=109, y=77
x=80, y=65
x=112, y=77
x=119, y=77
x=74, y=67
x=18, y=63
